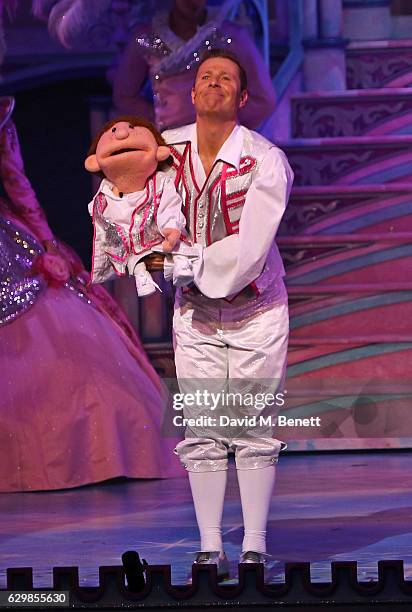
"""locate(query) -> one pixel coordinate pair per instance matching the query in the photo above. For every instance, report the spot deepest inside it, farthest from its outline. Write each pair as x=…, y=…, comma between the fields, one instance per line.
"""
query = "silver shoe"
x=250, y=556
x=214, y=558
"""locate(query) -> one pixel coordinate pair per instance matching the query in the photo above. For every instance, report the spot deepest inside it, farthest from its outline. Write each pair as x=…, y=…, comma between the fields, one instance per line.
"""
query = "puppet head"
x=127, y=151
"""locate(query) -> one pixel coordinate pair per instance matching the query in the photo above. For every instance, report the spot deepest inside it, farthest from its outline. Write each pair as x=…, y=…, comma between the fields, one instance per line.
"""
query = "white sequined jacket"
x=235, y=211
x=137, y=231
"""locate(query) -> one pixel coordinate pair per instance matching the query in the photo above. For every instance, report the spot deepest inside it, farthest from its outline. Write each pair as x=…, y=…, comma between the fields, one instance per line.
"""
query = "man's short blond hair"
x=212, y=53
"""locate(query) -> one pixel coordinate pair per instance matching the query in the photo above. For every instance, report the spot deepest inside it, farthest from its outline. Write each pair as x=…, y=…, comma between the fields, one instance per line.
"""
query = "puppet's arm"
x=101, y=266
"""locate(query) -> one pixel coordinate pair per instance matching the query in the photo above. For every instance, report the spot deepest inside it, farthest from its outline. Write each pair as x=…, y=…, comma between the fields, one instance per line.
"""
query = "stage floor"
x=326, y=507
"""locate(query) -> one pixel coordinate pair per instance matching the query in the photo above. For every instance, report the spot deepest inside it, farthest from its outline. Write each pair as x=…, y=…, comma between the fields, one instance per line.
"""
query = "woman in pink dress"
x=79, y=402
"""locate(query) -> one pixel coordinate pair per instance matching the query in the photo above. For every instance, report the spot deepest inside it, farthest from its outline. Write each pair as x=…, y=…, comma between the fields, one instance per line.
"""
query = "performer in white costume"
x=234, y=324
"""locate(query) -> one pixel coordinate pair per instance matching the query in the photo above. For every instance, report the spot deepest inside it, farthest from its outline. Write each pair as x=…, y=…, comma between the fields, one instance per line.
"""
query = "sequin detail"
x=153, y=44
x=18, y=290
x=113, y=245
x=214, y=211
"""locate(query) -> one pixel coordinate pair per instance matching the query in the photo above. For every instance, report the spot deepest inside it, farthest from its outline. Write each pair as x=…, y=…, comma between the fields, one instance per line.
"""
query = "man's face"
x=217, y=89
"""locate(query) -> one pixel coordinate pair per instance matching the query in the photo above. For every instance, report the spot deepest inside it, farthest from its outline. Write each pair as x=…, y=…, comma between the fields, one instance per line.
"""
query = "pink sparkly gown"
x=79, y=401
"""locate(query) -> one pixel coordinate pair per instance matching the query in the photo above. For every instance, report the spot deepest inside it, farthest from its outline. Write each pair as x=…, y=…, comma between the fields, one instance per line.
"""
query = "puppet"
x=50, y=327
x=136, y=209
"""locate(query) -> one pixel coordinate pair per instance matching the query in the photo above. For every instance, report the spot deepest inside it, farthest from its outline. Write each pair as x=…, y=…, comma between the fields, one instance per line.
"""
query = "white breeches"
x=240, y=345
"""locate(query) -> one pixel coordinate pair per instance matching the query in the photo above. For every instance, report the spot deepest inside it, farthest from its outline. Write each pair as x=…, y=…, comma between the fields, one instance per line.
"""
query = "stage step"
x=372, y=112
x=323, y=260
x=310, y=291
x=350, y=161
x=325, y=210
x=344, y=239
x=383, y=63
x=363, y=253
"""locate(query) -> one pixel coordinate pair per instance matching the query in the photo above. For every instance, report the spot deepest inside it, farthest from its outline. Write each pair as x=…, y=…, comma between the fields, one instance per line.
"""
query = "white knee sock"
x=208, y=491
x=256, y=488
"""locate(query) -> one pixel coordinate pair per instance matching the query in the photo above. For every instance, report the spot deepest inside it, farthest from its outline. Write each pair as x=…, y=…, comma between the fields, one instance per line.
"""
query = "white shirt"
x=119, y=210
x=230, y=264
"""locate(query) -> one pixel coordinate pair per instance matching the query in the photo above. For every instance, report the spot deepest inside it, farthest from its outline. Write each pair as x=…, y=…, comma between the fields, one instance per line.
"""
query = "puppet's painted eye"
x=113, y=129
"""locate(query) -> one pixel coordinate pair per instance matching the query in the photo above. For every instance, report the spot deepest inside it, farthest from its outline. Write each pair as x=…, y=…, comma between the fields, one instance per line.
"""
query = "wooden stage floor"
x=326, y=507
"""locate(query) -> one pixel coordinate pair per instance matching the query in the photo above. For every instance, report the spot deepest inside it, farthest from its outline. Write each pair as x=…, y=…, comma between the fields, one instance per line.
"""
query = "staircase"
x=346, y=240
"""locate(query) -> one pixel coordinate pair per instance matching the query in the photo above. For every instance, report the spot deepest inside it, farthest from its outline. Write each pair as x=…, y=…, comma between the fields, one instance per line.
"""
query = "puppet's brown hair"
x=136, y=122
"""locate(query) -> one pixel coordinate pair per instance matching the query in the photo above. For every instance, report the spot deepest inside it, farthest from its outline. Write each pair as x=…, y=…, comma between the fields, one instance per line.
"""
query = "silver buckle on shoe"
x=207, y=558
x=250, y=556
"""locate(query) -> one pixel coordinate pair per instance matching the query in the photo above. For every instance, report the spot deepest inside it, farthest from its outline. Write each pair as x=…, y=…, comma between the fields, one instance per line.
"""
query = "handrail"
x=283, y=80
x=262, y=11
x=287, y=71
x=294, y=59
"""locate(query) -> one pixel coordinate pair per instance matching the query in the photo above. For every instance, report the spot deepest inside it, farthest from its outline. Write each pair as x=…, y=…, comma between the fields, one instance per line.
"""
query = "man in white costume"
x=233, y=325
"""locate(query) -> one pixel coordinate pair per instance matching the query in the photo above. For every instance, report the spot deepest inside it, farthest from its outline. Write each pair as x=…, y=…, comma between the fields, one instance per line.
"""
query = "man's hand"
x=172, y=238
